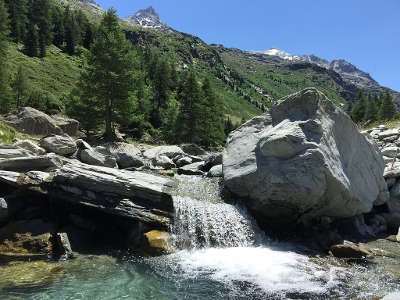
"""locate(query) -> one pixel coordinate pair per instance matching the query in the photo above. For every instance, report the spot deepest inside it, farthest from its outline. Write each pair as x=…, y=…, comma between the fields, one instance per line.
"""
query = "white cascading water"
x=223, y=242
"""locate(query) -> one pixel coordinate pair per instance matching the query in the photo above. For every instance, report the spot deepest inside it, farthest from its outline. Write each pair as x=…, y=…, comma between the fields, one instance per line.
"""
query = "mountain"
x=146, y=18
x=350, y=73
x=90, y=5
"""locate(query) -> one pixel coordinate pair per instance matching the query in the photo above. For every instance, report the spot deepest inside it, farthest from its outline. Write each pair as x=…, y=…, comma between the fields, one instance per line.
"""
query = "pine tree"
x=4, y=32
x=160, y=91
x=371, y=110
x=19, y=86
x=32, y=41
x=387, y=110
x=71, y=31
x=58, y=27
x=359, y=108
x=17, y=10
x=42, y=9
x=189, y=112
x=212, y=122
x=107, y=80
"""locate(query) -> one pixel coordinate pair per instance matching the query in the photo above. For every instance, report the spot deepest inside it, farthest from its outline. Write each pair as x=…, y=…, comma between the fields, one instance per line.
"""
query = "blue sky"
x=364, y=32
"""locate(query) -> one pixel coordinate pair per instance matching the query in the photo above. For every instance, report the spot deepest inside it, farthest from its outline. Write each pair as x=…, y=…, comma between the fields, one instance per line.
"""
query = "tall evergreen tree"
x=160, y=91
x=17, y=10
x=371, y=110
x=212, y=122
x=19, y=86
x=58, y=27
x=42, y=10
x=189, y=111
x=107, y=80
x=32, y=40
x=387, y=110
x=359, y=107
x=4, y=32
x=71, y=31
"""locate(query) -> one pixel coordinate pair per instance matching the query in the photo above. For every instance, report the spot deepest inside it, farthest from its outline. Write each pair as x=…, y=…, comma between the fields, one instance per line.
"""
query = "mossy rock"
x=159, y=242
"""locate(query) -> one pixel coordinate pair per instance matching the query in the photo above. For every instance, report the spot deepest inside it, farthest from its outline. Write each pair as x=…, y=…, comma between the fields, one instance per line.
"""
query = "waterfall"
x=200, y=224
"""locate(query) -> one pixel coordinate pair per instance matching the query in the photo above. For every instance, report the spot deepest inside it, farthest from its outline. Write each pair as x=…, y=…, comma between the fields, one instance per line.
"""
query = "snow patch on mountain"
x=146, y=18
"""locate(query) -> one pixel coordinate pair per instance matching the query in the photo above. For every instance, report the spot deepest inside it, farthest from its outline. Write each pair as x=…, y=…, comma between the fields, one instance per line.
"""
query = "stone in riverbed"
x=159, y=242
x=192, y=169
x=3, y=211
x=59, y=144
x=388, y=133
x=168, y=151
x=215, y=171
x=163, y=161
x=391, y=152
x=304, y=160
x=95, y=158
x=31, y=163
x=30, y=146
x=7, y=152
x=67, y=125
x=127, y=155
x=62, y=246
x=349, y=250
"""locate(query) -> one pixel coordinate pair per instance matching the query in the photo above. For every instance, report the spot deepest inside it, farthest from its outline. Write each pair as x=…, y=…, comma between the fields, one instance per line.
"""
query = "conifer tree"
x=32, y=40
x=71, y=31
x=17, y=10
x=58, y=27
x=107, y=80
x=160, y=91
x=189, y=110
x=212, y=122
x=4, y=32
x=42, y=10
x=359, y=108
x=19, y=86
x=387, y=110
x=371, y=110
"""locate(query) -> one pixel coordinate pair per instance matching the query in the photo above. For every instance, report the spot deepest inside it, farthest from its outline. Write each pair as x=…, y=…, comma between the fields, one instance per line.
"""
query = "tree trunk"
x=109, y=134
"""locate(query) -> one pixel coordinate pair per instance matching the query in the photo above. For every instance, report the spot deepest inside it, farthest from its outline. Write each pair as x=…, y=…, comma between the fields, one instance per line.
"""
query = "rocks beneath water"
x=59, y=144
x=304, y=160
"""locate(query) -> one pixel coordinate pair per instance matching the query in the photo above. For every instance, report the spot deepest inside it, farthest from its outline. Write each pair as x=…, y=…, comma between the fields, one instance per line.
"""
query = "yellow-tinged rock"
x=159, y=241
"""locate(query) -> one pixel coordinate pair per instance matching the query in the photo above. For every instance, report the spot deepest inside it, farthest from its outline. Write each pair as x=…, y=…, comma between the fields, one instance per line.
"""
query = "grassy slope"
x=55, y=74
x=278, y=80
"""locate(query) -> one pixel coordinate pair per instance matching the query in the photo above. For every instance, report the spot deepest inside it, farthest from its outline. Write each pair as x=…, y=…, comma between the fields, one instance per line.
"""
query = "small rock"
x=59, y=144
x=388, y=133
x=94, y=158
x=183, y=161
x=212, y=160
x=349, y=250
x=169, y=151
x=192, y=169
x=62, y=246
x=382, y=127
x=3, y=211
x=163, y=162
x=215, y=171
x=159, y=241
x=30, y=146
x=391, y=152
x=193, y=149
x=169, y=173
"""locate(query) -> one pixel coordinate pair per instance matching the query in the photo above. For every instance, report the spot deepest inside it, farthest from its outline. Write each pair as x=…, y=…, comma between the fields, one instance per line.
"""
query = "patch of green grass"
x=55, y=75
x=7, y=133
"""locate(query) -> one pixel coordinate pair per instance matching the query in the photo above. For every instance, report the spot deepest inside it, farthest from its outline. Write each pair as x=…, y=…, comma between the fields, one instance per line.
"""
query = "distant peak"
x=146, y=18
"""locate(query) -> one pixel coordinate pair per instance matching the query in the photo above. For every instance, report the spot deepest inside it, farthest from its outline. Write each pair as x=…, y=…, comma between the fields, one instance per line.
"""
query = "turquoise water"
x=223, y=256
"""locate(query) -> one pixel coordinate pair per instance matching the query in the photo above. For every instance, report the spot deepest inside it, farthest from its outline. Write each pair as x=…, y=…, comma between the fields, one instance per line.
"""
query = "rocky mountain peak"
x=147, y=18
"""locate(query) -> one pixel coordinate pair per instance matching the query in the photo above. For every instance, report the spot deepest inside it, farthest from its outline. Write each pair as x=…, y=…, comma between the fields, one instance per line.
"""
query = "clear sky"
x=364, y=32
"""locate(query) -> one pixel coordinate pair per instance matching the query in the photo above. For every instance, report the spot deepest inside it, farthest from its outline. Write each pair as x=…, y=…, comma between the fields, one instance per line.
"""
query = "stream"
x=221, y=255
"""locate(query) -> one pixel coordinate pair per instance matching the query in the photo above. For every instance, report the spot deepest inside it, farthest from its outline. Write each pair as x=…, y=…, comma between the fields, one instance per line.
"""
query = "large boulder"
x=31, y=121
x=303, y=160
x=68, y=125
x=30, y=146
x=59, y=144
x=92, y=157
x=168, y=151
x=8, y=152
x=127, y=155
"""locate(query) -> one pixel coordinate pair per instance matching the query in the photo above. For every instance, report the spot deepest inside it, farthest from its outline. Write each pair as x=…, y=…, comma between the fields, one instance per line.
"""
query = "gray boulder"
x=183, y=161
x=168, y=151
x=215, y=171
x=59, y=144
x=31, y=163
x=30, y=146
x=7, y=152
x=163, y=161
x=212, y=160
x=193, y=149
x=67, y=125
x=95, y=158
x=192, y=169
x=127, y=155
x=304, y=160
x=31, y=121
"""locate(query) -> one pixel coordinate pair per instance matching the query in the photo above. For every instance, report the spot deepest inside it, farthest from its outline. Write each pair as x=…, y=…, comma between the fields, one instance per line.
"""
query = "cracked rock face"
x=302, y=160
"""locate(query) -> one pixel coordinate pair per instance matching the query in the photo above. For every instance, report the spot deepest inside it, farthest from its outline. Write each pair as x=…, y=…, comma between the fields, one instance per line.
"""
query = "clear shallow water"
x=224, y=256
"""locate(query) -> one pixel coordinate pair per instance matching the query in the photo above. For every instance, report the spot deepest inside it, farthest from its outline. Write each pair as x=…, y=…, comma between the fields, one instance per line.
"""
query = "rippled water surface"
x=224, y=256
